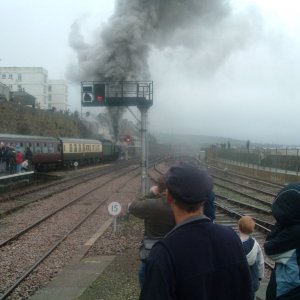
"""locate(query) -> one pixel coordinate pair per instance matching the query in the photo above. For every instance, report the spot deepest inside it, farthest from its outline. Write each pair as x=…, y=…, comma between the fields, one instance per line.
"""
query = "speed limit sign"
x=114, y=208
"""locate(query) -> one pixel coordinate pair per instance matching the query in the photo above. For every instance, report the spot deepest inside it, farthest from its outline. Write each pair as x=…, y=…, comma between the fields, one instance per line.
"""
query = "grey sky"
x=237, y=80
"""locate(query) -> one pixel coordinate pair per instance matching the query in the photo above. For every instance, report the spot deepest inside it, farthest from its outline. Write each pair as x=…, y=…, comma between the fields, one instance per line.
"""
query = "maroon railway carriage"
x=46, y=151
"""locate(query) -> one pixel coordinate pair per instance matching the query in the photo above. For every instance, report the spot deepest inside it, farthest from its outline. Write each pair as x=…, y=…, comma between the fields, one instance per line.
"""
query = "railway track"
x=238, y=195
x=16, y=200
x=46, y=239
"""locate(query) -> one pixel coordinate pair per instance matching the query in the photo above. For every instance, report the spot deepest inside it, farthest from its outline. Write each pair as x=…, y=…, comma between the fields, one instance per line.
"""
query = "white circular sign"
x=75, y=164
x=114, y=208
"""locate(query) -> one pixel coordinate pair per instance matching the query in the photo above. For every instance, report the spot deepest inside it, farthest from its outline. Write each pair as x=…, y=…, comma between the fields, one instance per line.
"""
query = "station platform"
x=76, y=279
x=5, y=176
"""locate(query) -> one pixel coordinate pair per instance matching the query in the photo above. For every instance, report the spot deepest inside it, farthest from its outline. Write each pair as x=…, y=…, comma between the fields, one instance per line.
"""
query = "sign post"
x=114, y=209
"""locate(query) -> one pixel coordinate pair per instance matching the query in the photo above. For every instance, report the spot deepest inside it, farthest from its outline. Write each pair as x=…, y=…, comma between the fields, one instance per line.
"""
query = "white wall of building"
x=34, y=81
x=58, y=94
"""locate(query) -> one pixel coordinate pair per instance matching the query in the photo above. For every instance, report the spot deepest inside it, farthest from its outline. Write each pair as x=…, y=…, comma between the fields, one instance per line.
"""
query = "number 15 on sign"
x=114, y=209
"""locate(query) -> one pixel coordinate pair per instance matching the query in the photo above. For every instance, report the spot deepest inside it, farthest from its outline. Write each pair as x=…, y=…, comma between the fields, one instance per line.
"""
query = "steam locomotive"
x=54, y=153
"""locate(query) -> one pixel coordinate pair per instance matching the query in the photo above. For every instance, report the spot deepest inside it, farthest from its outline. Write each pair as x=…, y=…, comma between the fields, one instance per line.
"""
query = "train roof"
x=6, y=136
x=82, y=141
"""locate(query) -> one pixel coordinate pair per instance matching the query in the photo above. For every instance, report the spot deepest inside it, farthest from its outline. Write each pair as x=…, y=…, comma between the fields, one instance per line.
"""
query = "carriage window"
x=79, y=148
x=37, y=148
x=65, y=148
x=75, y=147
x=50, y=148
x=45, y=148
x=71, y=147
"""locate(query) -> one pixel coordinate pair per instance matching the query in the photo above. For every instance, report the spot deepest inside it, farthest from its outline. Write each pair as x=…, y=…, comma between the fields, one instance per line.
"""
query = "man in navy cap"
x=197, y=259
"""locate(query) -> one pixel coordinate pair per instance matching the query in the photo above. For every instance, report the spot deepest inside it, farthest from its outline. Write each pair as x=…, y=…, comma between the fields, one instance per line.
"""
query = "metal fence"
x=275, y=159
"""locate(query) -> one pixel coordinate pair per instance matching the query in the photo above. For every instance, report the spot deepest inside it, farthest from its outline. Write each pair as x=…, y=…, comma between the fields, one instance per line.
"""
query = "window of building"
x=49, y=88
x=19, y=77
x=10, y=76
x=50, y=98
x=20, y=88
x=3, y=76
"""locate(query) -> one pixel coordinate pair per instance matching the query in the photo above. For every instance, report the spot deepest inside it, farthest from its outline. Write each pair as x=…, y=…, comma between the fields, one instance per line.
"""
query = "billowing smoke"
x=121, y=48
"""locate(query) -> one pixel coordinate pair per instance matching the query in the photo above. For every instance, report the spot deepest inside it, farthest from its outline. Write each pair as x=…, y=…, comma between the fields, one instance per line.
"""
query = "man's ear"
x=169, y=197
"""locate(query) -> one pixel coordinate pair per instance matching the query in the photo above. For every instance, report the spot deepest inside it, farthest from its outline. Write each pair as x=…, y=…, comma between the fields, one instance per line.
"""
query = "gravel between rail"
x=120, y=279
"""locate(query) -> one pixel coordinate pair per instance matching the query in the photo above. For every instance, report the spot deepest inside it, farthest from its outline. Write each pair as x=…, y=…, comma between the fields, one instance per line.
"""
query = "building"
x=4, y=92
x=23, y=98
x=57, y=94
x=33, y=80
x=48, y=94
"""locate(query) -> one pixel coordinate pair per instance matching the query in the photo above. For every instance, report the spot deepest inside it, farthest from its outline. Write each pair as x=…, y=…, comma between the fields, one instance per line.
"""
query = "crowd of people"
x=186, y=255
x=13, y=160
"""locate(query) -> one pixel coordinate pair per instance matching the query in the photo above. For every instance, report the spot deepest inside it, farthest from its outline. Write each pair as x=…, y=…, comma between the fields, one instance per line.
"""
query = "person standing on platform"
x=11, y=156
x=197, y=260
x=209, y=208
x=6, y=155
x=28, y=157
x=19, y=160
x=252, y=250
x=283, y=245
x=158, y=220
x=2, y=157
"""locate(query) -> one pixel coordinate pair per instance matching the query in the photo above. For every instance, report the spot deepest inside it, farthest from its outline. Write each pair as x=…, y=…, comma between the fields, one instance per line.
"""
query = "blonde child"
x=252, y=250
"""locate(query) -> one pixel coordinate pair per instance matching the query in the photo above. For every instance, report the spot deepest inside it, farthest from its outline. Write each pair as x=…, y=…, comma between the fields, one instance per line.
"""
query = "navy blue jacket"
x=198, y=260
x=283, y=245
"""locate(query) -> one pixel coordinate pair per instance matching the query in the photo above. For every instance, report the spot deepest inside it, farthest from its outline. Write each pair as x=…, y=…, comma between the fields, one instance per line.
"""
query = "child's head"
x=246, y=225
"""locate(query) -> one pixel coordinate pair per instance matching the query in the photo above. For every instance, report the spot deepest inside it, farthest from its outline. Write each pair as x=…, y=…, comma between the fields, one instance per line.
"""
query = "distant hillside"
x=19, y=119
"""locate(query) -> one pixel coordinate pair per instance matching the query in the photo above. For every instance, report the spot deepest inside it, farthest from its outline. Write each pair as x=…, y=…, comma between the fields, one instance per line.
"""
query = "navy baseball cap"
x=188, y=183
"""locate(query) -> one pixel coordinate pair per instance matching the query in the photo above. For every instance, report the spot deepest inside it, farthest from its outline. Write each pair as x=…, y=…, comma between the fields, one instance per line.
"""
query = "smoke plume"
x=121, y=48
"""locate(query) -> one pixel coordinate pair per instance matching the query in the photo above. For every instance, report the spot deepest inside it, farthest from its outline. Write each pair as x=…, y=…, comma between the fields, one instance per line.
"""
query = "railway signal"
x=128, y=139
x=93, y=94
x=123, y=94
